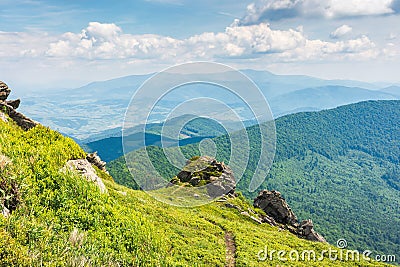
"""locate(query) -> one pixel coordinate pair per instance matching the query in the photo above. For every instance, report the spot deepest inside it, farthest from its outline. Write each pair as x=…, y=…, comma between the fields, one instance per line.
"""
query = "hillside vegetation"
x=338, y=167
x=59, y=219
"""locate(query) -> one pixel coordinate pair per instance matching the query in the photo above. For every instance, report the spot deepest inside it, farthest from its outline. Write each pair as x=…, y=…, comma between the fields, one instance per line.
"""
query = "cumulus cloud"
x=21, y=44
x=391, y=51
x=341, y=31
x=270, y=10
x=108, y=42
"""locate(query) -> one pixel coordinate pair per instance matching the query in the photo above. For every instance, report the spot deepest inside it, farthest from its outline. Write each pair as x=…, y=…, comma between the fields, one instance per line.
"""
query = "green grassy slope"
x=63, y=220
x=337, y=167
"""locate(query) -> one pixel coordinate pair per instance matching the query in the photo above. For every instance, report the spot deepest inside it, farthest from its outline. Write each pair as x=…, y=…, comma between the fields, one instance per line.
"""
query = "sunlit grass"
x=63, y=220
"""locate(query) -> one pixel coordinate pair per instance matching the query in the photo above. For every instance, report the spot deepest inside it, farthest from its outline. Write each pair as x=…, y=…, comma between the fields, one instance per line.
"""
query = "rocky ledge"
x=9, y=107
x=206, y=171
x=278, y=211
x=95, y=159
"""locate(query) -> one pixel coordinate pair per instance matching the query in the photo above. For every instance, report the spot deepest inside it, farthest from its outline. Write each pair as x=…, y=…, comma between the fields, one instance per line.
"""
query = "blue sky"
x=165, y=17
x=70, y=43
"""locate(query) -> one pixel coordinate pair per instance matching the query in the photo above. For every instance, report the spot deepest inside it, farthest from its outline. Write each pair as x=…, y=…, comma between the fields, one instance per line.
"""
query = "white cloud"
x=22, y=44
x=391, y=51
x=341, y=31
x=269, y=10
x=356, y=49
x=102, y=51
x=108, y=42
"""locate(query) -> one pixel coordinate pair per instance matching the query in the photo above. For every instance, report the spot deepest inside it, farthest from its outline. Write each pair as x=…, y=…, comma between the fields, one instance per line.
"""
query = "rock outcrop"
x=10, y=196
x=206, y=171
x=96, y=161
x=277, y=210
x=84, y=167
x=274, y=205
x=4, y=91
x=306, y=230
x=14, y=103
x=9, y=107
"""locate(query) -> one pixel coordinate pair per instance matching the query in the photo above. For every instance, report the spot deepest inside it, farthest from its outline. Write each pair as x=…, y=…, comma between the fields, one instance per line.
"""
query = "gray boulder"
x=4, y=91
x=306, y=229
x=275, y=206
x=278, y=211
x=9, y=107
x=206, y=171
x=96, y=161
x=83, y=167
x=14, y=103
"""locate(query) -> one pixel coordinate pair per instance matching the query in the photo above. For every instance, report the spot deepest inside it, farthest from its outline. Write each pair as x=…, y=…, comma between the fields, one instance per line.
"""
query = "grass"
x=63, y=220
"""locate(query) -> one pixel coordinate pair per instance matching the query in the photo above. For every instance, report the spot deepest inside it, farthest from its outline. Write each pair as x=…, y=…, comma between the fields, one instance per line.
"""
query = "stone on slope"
x=9, y=107
x=206, y=171
x=274, y=205
x=4, y=91
x=277, y=209
x=96, y=161
x=84, y=167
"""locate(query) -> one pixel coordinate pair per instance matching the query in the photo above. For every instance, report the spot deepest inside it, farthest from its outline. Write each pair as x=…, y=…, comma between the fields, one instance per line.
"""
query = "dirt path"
x=230, y=250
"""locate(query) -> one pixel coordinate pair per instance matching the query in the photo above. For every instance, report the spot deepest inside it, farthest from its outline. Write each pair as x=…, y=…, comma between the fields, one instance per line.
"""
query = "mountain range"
x=59, y=207
x=338, y=166
x=95, y=110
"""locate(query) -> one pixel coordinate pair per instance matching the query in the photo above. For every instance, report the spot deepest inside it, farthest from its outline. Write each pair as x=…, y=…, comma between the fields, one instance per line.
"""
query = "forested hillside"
x=338, y=167
x=53, y=216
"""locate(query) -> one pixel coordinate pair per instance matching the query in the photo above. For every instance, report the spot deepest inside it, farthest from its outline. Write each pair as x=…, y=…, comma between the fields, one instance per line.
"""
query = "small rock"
x=4, y=91
x=257, y=220
x=306, y=229
x=269, y=220
x=21, y=120
x=245, y=213
x=4, y=161
x=9, y=107
x=96, y=161
x=3, y=117
x=84, y=167
x=231, y=206
x=14, y=103
x=5, y=212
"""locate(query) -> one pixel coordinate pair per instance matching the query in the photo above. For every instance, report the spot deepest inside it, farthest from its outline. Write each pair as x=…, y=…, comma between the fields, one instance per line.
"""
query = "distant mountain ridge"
x=337, y=165
x=394, y=90
x=60, y=207
x=312, y=99
x=99, y=107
